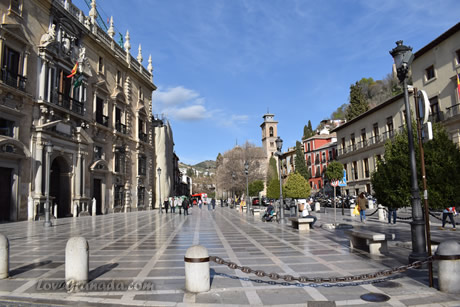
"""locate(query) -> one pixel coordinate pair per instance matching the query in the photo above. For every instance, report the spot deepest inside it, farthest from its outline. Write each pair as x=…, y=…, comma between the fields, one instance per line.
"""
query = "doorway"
x=60, y=186
x=97, y=194
x=6, y=182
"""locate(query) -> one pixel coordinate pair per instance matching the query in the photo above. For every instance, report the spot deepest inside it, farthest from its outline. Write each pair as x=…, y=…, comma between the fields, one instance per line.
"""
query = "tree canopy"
x=299, y=162
x=391, y=181
x=308, y=131
x=255, y=187
x=296, y=186
x=334, y=171
x=358, y=102
x=273, y=189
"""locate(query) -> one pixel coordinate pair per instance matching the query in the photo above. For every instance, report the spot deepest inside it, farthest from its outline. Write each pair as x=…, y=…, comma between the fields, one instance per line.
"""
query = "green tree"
x=273, y=189
x=358, y=103
x=334, y=171
x=300, y=163
x=391, y=181
x=307, y=131
x=340, y=113
x=296, y=186
x=272, y=172
x=255, y=187
x=190, y=172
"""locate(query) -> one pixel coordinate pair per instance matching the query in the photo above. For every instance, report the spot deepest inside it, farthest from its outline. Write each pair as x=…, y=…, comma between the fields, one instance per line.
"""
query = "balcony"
x=120, y=128
x=453, y=111
x=14, y=80
x=103, y=120
x=68, y=103
x=143, y=137
x=436, y=117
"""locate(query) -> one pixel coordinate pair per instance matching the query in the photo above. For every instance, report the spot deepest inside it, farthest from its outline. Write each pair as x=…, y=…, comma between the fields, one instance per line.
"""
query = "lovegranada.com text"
x=103, y=285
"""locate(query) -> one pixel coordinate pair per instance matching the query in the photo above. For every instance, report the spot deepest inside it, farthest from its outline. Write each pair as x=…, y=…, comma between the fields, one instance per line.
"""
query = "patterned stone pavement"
x=136, y=259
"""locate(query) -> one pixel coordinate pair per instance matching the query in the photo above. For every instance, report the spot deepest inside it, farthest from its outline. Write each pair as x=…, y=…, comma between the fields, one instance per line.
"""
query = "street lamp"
x=246, y=171
x=233, y=185
x=279, y=146
x=49, y=150
x=159, y=189
x=403, y=58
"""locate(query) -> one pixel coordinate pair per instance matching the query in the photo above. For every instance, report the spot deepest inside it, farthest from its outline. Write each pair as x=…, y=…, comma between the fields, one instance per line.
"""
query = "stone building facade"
x=75, y=107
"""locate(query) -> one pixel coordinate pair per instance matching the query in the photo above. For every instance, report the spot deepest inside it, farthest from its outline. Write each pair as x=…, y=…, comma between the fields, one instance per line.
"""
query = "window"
x=12, y=68
x=317, y=159
x=363, y=137
x=270, y=131
x=343, y=145
x=142, y=165
x=141, y=94
x=118, y=196
x=435, y=112
x=323, y=156
x=100, y=65
x=366, y=168
x=429, y=73
x=119, y=81
x=140, y=196
x=15, y=6
x=352, y=140
x=308, y=160
x=457, y=56
x=390, y=128
x=120, y=160
x=119, y=126
x=354, y=170
x=272, y=144
x=100, y=117
x=142, y=135
x=6, y=127
x=308, y=146
x=318, y=171
x=345, y=167
x=330, y=155
x=375, y=129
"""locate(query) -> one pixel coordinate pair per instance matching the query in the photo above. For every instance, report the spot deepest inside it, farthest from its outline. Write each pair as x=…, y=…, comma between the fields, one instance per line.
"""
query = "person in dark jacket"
x=166, y=204
x=213, y=203
x=185, y=205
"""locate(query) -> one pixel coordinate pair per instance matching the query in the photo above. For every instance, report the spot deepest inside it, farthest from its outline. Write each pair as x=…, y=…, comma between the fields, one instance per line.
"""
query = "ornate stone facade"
x=67, y=89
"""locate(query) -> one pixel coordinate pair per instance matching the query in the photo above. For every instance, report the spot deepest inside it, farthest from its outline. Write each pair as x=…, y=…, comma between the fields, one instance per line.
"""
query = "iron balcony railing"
x=14, y=80
x=120, y=127
x=143, y=136
x=68, y=103
x=453, y=111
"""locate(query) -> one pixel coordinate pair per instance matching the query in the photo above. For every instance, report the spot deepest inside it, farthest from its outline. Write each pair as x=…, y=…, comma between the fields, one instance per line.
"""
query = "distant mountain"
x=202, y=166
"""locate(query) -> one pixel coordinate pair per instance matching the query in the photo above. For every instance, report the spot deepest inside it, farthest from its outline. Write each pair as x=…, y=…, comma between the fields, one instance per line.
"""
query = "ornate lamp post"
x=159, y=189
x=246, y=171
x=403, y=58
x=279, y=146
x=48, y=150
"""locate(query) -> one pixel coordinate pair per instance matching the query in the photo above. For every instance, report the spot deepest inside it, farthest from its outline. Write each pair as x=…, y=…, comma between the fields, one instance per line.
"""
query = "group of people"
x=178, y=202
x=205, y=202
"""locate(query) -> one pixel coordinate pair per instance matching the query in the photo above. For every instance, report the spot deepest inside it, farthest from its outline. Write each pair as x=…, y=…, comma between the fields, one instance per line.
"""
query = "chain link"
x=321, y=280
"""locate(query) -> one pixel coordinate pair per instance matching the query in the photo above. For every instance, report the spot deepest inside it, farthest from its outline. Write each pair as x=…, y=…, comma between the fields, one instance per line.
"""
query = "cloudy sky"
x=219, y=65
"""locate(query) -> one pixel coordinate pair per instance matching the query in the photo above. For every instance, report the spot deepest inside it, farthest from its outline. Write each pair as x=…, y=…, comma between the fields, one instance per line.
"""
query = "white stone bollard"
x=317, y=207
x=30, y=209
x=76, y=262
x=371, y=204
x=381, y=213
x=4, y=256
x=75, y=210
x=55, y=210
x=197, y=274
x=449, y=266
x=93, y=207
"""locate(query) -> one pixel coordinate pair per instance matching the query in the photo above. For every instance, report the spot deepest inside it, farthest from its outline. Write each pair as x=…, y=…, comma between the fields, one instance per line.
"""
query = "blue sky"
x=219, y=65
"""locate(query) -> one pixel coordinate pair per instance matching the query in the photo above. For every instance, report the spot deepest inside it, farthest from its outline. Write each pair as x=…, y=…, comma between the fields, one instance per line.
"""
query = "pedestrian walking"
x=179, y=204
x=166, y=204
x=448, y=212
x=392, y=214
x=362, y=205
x=221, y=202
x=185, y=204
x=173, y=205
x=213, y=203
x=200, y=203
x=208, y=203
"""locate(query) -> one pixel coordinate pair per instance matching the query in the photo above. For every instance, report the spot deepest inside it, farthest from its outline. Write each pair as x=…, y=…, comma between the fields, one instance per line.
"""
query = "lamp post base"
x=47, y=224
x=419, y=251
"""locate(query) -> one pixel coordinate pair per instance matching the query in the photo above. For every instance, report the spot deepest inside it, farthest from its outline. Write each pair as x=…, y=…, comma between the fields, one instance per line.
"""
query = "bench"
x=301, y=223
x=375, y=242
x=255, y=211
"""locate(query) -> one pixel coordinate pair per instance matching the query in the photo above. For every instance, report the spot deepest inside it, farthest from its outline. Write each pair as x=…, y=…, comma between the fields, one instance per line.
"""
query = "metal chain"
x=372, y=213
x=320, y=280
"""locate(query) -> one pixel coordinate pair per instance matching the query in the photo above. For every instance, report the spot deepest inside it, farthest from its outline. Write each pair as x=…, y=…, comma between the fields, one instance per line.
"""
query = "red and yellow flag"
x=74, y=71
x=458, y=86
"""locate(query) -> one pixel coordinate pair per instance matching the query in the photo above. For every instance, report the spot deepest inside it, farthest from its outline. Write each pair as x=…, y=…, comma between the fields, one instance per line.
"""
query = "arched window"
x=271, y=131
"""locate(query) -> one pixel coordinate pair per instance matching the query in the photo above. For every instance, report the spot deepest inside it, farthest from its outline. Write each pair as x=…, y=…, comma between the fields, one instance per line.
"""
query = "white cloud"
x=175, y=96
x=196, y=112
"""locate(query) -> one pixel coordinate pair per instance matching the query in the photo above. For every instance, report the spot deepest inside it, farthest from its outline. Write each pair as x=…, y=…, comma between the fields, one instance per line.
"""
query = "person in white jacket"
x=306, y=213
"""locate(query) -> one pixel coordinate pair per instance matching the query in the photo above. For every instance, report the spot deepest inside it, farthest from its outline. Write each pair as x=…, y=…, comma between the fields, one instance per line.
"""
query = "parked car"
x=255, y=201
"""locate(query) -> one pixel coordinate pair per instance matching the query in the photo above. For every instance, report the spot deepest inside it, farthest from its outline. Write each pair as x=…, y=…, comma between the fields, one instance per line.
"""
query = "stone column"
x=78, y=176
x=41, y=90
x=83, y=167
x=39, y=167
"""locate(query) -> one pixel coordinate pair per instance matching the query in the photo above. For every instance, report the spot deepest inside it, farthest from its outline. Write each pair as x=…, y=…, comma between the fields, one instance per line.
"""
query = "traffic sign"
x=335, y=183
x=343, y=181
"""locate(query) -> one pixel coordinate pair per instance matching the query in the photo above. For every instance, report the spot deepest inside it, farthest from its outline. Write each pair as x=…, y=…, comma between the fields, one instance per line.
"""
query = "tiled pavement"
x=147, y=249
